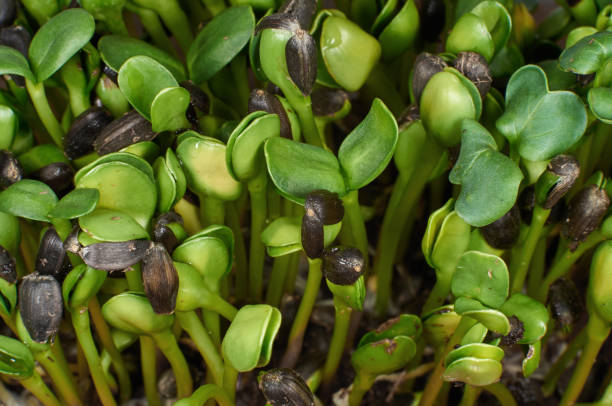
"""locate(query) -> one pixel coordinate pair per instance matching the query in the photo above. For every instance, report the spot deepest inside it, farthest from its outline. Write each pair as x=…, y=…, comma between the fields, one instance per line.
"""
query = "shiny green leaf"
x=112, y=226
x=29, y=199
x=14, y=63
x=482, y=277
x=77, y=203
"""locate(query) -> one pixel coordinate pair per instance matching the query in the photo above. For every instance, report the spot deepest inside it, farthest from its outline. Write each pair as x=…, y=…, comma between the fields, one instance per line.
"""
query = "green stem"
x=538, y=266
x=298, y=328
x=597, y=332
x=74, y=78
x=238, y=67
x=193, y=326
x=212, y=210
x=214, y=6
x=257, y=253
x=151, y=23
x=125, y=385
x=379, y=85
x=361, y=385
x=61, y=376
x=240, y=263
x=292, y=272
x=166, y=342
x=406, y=193
x=471, y=394
x=42, y=392
x=175, y=19
x=435, y=381
x=558, y=368
x=501, y=393
x=204, y=394
x=82, y=329
x=520, y=263
x=355, y=219
x=217, y=304
x=338, y=341
x=303, y=107
x=440, y=291
x=230, y=377
x=213, y=325
x=134, y=279
x=43, y=109
x=148, y=364
x=565, y=262
x=274, y=294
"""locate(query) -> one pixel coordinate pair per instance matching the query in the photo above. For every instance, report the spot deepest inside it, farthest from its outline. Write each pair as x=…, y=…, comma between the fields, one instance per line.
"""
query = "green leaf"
x=367, y=150
x=116, y=49
x=29, y=199
x=112, y=226
x=587, y=55
x=600, y=102
x=211, y=256
x=476, y=350
x=474, y=371
x=407, y=325
x=439, y=325
x=451, y=242
x=168, y=109
x=75, y=204
x=384, y=356
x=531, y=313
x=476, y=334
x=166, y=187
x=58, y=40
x=141, y=79
x=483, y=277
x=532, y=359
x=492, y=319
x=219, y=42
x=497, y=20
x=125, y=157
x=489, y=180
x=9, y=125
x=297, y=169
x=248, y=341
x=16, y=360
x=527, y=122
x=122, y=187
x=205, y=155
x=244, y=154
x=434, y=223
x=14, y=63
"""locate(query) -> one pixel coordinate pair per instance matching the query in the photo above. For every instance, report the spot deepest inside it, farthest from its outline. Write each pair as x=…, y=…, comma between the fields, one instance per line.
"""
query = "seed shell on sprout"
x=79, y=139
x=302, y=10
x=260, y=100
x=327, y=102
x=343, y=265
x=40, y=306
x=51, y=258
x=16, y=37
x=283, y=386
x=503, y=232
x=8, y=270
x=425, y=66
x=324, y=205
x=474, y=66
x=123, y=132
x=565, y=304
x=584, y=214
x=160, y=279
x=8, y=12
x=301, y=57
x=278, y=21
x=57, y=175
x=567, y=168
x=10, y=169
x=115, y=256
x=313, y=236
x=164, y=235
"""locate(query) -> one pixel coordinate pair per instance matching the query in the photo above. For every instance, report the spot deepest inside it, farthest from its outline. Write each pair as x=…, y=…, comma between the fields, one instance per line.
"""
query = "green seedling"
x=388, y=348
x=80, y=286
x=17, y=361
x=248, y=342
x=132, y=312
x=446, y=238
x=485, y=30
x=200, y=155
